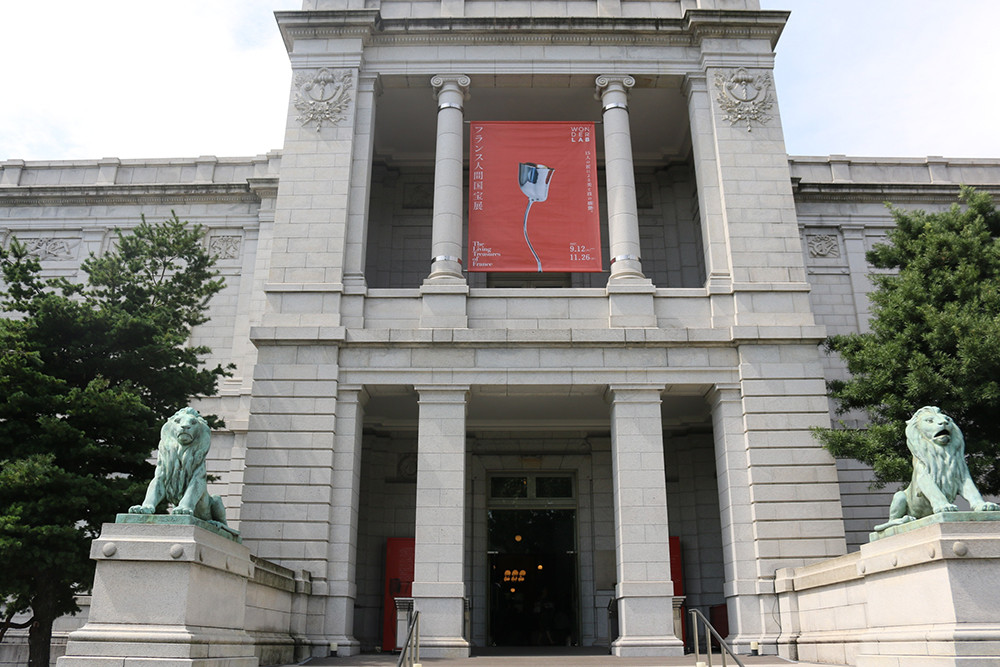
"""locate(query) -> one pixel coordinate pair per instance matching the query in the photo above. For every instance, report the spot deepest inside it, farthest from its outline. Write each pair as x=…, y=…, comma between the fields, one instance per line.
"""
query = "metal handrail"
x=410, y=653
x=695, y=615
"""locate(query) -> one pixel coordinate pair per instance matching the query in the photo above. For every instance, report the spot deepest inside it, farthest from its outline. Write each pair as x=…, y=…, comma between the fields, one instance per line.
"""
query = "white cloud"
x=889, y=77
x=135, y=78
x=142, y=79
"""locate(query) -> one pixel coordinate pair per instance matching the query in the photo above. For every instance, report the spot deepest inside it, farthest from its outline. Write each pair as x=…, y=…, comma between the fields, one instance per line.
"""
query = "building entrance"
x=532, y=566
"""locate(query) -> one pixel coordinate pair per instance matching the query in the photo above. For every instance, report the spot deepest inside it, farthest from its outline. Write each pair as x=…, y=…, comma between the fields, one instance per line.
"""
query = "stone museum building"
x=517, y=450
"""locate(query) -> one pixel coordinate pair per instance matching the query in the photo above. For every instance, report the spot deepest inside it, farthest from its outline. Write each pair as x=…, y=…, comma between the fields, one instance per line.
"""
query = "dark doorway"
x=533, y=580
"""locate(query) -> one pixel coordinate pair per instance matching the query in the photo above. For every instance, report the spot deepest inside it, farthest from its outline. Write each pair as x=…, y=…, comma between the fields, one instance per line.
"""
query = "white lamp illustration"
x=534, y=181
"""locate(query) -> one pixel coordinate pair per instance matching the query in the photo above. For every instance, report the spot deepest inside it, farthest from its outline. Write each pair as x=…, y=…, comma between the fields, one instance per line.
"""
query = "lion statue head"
x=935, y=439
x=185, y=427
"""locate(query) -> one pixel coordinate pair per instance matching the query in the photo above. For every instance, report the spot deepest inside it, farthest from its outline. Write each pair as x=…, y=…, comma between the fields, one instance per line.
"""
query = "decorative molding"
x=323, y=96
x=745, y=97
x=225, y=246
x=51, y=249
x=180, y=193
x=406, y=467
x=823, y=245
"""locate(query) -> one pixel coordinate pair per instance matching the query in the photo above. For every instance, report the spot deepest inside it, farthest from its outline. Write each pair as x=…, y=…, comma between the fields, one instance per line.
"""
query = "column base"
x=443, y=303
x=646, y=647
x=646, y=621
x=346, y=646
x=442, y=626
x=445, y=647
x=630, y=302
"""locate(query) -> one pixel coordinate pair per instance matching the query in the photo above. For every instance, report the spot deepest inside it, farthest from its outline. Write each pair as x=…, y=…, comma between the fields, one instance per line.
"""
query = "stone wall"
x=841, y=205
x=66, y=210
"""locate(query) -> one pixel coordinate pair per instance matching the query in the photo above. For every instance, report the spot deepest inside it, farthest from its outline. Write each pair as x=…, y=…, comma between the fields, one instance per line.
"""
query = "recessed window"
x=553, y=487
x=509, y=487
x=545, y=488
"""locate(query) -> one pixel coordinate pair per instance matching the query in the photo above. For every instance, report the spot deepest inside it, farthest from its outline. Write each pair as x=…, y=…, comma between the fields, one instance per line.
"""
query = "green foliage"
x=934, y=340
x=88, y=373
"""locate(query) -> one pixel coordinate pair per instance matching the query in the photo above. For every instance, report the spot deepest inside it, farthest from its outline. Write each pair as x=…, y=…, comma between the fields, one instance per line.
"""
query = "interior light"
x=540, y=566
x=517, y=538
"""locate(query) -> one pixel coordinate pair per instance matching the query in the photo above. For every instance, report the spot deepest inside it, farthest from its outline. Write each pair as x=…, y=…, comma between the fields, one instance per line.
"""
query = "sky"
x=143, y=78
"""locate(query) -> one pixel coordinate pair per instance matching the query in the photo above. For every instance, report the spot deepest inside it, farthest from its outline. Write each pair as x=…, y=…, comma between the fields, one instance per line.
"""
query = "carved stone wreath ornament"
x=745, y=97
x=45, y=249
x=824, y=245
x=323, y=96
x=225, y=247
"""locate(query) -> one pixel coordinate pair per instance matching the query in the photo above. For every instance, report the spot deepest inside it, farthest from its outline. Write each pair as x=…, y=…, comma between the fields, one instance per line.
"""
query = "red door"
x=398, y=584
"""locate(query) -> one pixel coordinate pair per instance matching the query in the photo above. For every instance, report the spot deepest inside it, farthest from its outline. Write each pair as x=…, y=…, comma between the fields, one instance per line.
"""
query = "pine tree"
x=934, y=340
x=88, y=372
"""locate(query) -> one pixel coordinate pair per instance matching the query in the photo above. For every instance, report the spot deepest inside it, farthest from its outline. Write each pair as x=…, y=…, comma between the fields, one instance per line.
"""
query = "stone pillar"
x=779, y=494
x=630, y=293
x=735, y=511
x=706, y=167
x=861, y=284
x=360, y=189
x=446, y=235
x=623, y=212
x=644, y=588
x=343, y=543
x=438, y=573
x=445, y=290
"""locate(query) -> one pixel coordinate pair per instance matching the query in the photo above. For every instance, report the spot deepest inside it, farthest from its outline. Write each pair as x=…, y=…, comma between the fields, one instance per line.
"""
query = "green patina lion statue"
x=181, y=477
x=939, y=470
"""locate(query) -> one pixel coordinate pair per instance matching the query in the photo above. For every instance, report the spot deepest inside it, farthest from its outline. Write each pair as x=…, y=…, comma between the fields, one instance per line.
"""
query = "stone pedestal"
x=923, y=594
x=933, y=592
x=168, y=589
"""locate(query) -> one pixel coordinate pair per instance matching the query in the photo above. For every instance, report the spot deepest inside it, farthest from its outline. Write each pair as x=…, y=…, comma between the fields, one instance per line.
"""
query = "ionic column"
x=623, y=212
x=446, y=232
x=644, y=589
x=439, y=572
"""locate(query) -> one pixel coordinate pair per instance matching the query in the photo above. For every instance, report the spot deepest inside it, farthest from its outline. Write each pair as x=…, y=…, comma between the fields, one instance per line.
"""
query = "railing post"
x=696, y=617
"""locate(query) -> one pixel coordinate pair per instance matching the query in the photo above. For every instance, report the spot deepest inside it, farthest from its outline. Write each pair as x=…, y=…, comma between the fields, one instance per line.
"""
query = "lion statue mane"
x=939, y=470
x=181, y=477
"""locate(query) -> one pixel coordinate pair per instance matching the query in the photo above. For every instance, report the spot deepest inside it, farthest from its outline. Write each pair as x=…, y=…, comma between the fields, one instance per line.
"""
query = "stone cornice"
x=697, y=25
x=327, y=24
x=708, y=24
x=531, y=338
x=533, y=30
x=127, y=194
x=945, y=193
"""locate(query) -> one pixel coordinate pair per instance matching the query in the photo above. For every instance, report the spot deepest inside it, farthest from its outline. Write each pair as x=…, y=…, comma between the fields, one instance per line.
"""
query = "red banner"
x=533, y=197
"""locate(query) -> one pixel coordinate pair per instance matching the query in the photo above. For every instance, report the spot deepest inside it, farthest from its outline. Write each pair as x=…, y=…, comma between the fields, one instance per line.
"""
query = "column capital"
x=634, y=393
x=371, y=82
x=353, y=394
x=696, y=82
x=608, y=84
x=724, y=392
x=435, y=393
x=443, y=83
